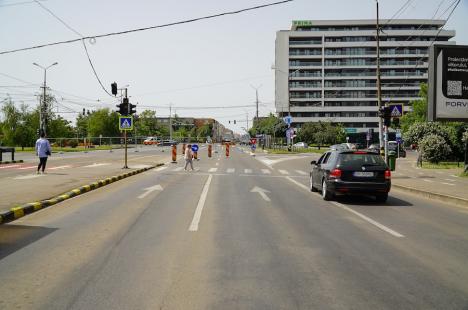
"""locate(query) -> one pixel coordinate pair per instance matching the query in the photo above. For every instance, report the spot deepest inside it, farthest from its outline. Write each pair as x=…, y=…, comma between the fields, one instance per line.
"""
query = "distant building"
x=327, y=68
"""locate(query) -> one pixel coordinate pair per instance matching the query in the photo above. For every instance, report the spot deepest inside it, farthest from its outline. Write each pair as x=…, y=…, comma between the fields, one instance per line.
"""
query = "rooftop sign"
x=302, y=23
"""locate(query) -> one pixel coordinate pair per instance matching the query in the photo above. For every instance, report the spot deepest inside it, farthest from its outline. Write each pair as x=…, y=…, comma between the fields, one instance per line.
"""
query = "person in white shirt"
x=188, y=155
x=43, y=150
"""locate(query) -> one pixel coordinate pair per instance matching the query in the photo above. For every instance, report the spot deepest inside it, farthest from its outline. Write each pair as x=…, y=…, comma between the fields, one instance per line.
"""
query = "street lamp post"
x=43, y=106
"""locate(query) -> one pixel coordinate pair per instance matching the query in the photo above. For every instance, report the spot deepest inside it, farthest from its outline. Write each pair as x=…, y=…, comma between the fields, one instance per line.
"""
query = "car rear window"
x=353, y=160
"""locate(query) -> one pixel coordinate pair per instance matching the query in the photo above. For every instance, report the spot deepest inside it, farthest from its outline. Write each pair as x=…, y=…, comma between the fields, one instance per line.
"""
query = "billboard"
x=448, y=83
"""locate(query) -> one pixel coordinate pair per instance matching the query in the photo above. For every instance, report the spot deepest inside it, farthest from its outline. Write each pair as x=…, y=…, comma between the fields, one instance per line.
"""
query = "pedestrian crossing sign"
x=396, y=110
x=125, y=122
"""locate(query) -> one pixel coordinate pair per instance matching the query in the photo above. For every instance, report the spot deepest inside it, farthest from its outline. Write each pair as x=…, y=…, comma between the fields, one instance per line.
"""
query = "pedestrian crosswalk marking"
x=231, y=170
x=266, y=171
x=283, y=172
x=301, y=172
x=178, y=168
x=213, y=170
x=247, y=170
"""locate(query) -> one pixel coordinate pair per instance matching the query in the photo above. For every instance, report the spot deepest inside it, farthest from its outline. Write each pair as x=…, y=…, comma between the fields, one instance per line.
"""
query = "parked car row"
x=156, y=141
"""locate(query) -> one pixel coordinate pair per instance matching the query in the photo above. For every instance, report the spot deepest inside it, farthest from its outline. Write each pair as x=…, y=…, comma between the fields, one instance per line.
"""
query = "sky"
x=210, y=63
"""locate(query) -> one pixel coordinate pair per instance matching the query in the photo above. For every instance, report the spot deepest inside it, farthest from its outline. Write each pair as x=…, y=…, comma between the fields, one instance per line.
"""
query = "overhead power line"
x=148, y=28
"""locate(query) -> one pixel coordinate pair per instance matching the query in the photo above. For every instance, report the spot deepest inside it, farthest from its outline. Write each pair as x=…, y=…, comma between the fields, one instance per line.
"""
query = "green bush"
x=73, y=143
x=418, y=131
x=434, y=148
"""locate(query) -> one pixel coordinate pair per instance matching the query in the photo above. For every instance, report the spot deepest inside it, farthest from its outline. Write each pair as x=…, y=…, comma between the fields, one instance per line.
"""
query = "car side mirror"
x=313, y=162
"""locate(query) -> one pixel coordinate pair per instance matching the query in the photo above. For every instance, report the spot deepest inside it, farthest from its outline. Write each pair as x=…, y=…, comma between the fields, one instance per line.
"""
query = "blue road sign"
x=253, y=146
x=195, y=148
x=396, y=110
x=125, y=122
x=288, y=120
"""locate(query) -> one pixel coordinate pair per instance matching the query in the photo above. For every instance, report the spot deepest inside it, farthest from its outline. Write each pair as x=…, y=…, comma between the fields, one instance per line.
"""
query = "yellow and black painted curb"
x=28, y=208
x=11, y=162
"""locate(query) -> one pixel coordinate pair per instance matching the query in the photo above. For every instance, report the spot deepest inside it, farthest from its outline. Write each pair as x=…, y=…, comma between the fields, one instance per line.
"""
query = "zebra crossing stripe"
x=231, y=170
x=213, y=170
x=283, y=172
x=178, y=169
x=266, y=171
x=247, y=171
x=301, y=172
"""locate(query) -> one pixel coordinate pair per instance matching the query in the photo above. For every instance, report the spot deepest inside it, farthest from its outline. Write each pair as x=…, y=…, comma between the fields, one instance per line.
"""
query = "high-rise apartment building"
x=327, y=70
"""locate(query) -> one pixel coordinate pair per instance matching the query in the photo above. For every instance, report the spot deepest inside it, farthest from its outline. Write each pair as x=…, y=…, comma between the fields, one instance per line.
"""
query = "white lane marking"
x=11, y=166
x=96, y=165
x=148, y=190
x=368, y=219
x=59, y=167
x=231, y=170
x=450, y=180
x=212, y=169
x=217, y=164
x=178, y=169
x=421, y=173
x=301, y=172
x=201, y=203
x=266, y=171
x=454, y=176
x=451, y=184
x=28, y=176
x=160, y=169
x=262, y=192
x=298, y=183
x=247, y=171
x=139, y=166
x=28, y=167
x=283, y=172
x=429, y=181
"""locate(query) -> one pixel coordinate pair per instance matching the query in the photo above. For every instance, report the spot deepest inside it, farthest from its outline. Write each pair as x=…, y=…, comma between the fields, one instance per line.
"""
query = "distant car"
x=151, y=141
x=374, y=148
x=300, y=144
x=343, y=146
x=393, y=146
x=348, y=172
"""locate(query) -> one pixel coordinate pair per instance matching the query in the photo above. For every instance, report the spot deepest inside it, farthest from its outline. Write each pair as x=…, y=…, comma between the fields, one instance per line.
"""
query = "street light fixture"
x=43, y=105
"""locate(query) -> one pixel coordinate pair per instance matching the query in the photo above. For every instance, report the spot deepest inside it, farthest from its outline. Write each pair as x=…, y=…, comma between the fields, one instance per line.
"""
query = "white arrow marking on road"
x=149, y=190
x=262, y=192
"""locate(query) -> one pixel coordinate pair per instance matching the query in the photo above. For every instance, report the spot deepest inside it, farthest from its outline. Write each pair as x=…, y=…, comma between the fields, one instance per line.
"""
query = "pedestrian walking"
x=43, y=151
x=188, y=155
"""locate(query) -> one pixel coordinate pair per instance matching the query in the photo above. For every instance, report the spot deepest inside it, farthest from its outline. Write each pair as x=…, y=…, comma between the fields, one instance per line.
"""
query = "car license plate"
x=363, y=174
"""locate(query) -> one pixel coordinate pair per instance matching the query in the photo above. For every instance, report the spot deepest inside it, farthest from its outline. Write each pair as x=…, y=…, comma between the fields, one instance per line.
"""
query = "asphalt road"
x=238, y=233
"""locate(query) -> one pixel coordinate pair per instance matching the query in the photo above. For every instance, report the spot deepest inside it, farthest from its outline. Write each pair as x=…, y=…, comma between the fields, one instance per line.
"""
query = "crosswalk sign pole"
x=125, y=138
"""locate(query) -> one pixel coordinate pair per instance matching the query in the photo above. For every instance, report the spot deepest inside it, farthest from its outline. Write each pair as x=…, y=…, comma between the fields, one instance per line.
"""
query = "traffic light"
x=387, y=116
x=114, y=88
x=132, y=109
x=123, y=108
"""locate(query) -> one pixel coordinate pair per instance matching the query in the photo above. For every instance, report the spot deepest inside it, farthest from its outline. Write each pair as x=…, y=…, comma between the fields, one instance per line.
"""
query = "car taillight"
x=335, y=173
x=388, y=175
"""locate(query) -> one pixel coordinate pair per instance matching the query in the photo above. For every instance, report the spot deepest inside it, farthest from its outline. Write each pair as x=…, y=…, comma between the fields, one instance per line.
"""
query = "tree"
x=18, y=127
x=103, y=122
x=271, y=125
x=59, y=128
x=419, y=110
x=417, y=131
x=147, y=123
x=322, y=133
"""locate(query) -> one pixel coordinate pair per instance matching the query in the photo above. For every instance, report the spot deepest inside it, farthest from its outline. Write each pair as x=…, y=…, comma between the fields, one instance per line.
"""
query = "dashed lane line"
x=201, y=203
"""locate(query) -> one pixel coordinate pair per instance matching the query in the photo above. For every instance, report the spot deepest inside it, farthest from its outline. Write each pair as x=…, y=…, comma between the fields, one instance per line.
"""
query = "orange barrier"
x=183, y=148
x=174, y=153
x=227, y=149
x=195, y=155
x=210, y=148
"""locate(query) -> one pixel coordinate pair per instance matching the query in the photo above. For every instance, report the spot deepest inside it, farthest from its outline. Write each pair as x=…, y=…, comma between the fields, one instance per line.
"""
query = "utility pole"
x=379, y=89
x=247, y=119
x=256, y=99
x=43, y=105
x=170, y=121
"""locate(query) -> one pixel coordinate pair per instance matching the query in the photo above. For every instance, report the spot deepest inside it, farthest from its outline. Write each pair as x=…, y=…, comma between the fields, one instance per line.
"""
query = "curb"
x=11, y=162
x=28, y=208
x=441, y=197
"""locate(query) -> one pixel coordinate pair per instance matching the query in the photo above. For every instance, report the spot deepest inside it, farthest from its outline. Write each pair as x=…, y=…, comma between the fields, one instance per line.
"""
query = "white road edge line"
x=367, y=219
x=201, y=203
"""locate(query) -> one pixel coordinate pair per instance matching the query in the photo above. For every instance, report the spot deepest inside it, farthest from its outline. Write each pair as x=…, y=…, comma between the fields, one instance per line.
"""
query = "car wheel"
x=381, y=198
x=326, y=195
x=312, y=188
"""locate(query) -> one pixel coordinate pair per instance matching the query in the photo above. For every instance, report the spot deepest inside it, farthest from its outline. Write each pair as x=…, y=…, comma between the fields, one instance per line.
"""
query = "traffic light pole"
x=125, y=134
x=379, y=88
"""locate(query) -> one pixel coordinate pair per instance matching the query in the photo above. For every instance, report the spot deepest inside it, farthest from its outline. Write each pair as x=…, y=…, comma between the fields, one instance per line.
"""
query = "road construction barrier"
x=174, y=153
x=227, y=149
x=195, y=155
x=210, y=148
x=183, y=148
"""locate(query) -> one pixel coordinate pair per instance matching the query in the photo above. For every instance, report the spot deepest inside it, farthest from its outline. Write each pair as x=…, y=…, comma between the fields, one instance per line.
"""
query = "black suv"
x=348, y=172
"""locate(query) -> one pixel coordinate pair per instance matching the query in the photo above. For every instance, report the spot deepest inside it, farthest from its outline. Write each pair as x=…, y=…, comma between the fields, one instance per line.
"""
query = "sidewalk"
x=436, y=183
x=20, y=184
